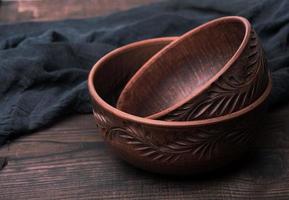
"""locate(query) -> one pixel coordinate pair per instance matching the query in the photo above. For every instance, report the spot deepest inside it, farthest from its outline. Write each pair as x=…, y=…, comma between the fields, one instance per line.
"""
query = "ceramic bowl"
x=166, y=147
x=215, y=69
x=123, y=63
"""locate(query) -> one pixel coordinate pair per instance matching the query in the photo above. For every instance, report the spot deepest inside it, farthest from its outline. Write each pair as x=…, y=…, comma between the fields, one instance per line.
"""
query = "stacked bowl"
x=183, y=105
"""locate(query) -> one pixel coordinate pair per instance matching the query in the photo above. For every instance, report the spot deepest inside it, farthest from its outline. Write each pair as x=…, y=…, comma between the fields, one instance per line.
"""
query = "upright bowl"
x=213, y=70
x=162, y=146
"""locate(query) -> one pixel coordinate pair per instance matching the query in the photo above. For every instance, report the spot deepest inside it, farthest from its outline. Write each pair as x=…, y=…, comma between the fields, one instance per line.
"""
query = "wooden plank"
x=18, y=10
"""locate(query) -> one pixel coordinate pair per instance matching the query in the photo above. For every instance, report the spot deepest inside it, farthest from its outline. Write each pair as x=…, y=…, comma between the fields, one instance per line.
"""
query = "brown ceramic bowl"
x=215, y=69
x=123, y=64
x=162, y=146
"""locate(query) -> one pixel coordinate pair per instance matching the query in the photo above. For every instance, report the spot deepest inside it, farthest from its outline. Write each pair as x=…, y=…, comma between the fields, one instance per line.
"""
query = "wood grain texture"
x=70, y=161
x=19, y=10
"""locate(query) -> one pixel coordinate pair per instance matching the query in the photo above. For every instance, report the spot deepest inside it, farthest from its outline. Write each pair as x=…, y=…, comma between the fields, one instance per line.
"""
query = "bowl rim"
x=159, y=123
x=222, y=20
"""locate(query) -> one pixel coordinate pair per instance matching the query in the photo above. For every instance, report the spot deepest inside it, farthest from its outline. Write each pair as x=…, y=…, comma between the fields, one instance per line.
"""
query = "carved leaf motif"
x=231, y=92
x=202, y=144
x=101, y=120
x=141, y=144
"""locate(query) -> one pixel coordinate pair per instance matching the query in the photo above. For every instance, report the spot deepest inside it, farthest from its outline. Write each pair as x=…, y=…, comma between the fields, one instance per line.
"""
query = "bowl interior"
x=119, y=66
x=178, y=72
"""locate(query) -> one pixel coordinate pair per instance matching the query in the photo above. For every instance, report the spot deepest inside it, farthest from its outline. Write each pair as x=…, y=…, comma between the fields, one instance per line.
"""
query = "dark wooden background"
x=70, y=160
x=36, y=10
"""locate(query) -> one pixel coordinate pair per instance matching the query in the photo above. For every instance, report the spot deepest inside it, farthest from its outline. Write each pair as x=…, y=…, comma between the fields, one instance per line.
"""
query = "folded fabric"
x=44, y=65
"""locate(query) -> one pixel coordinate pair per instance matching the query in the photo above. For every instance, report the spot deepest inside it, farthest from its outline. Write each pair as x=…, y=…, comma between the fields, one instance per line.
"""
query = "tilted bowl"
x=162, y=146
x=215, y=69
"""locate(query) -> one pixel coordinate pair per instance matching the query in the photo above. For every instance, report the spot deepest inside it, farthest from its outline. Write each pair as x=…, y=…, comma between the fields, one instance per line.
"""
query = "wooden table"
x=71, y=161
x=43, y=10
